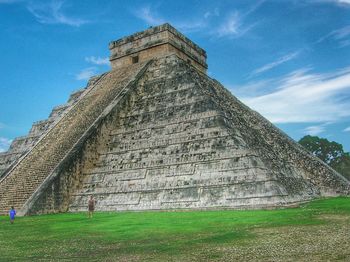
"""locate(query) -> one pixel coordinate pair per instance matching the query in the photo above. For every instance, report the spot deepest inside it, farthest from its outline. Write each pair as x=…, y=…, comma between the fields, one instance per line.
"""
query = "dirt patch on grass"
x=335, y=217
x=326, y=242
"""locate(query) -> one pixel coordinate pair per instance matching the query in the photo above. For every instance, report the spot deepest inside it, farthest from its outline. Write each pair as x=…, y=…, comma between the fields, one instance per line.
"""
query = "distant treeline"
x=330, y=152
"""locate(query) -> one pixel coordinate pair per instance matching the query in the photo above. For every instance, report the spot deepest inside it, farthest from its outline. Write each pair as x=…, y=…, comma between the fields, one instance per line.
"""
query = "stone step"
x=51, y=149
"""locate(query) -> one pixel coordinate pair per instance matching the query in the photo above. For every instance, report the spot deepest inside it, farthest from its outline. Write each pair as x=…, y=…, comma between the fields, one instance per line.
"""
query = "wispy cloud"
x=347, y=129
x=302, y=97
x=314, y=130
x=4, y=144
x=86, y=73
x=97, y=60
x=275, y=63
x=338, y=2
x=254, y=7
x=52, y=13
x=342, y=35
x=344, y=2
x=233, y=25
x=191, y=25
x=341, y=3
x=149, y=16
x=212, y=13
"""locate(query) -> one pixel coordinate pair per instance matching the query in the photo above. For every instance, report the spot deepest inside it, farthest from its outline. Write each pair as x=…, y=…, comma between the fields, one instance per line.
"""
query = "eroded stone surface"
x=160, y=134
x=176, y=143
x=155, y=42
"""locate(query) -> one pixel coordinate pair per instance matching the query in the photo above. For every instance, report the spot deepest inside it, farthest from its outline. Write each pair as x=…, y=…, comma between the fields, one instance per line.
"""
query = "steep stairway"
x=26, y=177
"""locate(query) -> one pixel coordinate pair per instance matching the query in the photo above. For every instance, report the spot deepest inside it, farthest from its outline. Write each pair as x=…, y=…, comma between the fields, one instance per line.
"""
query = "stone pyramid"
x=157, y=133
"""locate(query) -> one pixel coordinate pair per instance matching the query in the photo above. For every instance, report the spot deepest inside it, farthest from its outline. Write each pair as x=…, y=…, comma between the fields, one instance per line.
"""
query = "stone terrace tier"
x=181, y=142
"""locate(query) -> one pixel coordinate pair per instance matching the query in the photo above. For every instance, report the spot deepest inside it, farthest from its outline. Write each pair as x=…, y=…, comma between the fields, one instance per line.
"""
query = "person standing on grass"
x=91, y=206
x=12, y=214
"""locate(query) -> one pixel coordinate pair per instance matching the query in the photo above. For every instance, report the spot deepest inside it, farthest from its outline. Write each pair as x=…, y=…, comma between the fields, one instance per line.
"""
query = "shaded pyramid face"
x=172, y=144
x=180, y=140
x=160, y=134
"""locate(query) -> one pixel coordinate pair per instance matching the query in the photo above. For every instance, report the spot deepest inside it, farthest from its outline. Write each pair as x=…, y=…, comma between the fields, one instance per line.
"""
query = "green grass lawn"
x=316, y=231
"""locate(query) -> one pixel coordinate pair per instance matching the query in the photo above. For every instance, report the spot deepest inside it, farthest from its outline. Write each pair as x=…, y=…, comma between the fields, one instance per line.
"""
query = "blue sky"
x=287, y=59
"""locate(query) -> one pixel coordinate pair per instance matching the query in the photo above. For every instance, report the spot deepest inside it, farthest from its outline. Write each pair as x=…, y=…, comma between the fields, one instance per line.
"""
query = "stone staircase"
x=18, y=186
x=20, y=146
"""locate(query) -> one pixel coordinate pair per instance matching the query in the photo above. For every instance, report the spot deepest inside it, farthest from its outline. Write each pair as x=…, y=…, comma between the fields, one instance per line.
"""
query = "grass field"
x=317, y=231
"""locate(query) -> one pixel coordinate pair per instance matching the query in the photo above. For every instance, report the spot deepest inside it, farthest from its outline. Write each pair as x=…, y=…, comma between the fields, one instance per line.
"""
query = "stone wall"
x=156, y=42
x=175, y=143
x=280, y=150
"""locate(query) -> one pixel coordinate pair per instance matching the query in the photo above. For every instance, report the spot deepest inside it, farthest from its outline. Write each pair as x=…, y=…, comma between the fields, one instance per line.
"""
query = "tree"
x=330, y=152
x=343, y=166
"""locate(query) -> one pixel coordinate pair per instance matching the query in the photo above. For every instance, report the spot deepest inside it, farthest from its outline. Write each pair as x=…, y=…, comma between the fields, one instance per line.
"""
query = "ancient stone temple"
x=157, y=133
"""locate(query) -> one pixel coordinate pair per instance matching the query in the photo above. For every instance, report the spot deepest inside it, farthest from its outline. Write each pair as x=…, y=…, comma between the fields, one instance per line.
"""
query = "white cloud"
x=314, y=130
x=86, y=73
x=215, y=12
x=347, y=129
x=344, y=2
x=97, y=60
x=52, y=13
x=342, y=35
x=274, y=64
x=254, y=7
x=149, y=16
x=233, y=26
x=344, y=43
x=302, y=97
x=339, y=2
x=209, y=22
x=190, y=26
x=4, y=144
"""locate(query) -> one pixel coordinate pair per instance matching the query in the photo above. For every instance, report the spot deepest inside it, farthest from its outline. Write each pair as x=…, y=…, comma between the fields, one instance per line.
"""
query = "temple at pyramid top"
x=156, y=42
